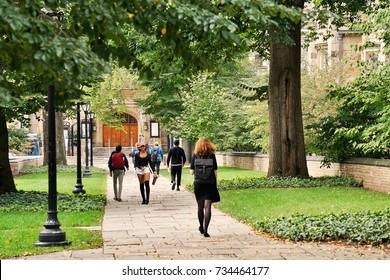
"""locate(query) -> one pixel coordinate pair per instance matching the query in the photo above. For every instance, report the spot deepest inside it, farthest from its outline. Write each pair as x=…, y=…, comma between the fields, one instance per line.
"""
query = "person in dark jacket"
x=176, y=160
x=143, y=164
x=205, y=193
x=118, y=173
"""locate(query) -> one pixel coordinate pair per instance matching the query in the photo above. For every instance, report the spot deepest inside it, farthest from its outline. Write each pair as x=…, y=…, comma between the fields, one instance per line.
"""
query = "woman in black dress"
x=205, y=193
x=143, y=164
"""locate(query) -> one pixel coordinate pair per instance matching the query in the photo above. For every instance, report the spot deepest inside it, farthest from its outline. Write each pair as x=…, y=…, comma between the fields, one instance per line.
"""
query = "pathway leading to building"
x=167, y=228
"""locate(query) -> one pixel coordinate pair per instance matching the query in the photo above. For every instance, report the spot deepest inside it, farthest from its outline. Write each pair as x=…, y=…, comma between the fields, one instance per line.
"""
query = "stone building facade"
x=137, y=127
x=342, y=46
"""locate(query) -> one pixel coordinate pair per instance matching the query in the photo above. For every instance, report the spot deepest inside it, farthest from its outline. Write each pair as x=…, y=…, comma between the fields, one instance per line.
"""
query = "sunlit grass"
x=20, y=230
x=21, y=242
x=66, y=182
x=251, y=205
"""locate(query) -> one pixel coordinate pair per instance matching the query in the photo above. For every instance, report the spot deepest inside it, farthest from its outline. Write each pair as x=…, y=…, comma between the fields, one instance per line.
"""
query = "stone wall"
x=18, y=163
x=374, y=173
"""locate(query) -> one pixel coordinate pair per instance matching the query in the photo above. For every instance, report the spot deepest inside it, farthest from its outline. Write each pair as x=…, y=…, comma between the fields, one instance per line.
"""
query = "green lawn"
x=254, y=205
x=19, y=230
x=251, y=205
x=66, y=182
x=223, y=173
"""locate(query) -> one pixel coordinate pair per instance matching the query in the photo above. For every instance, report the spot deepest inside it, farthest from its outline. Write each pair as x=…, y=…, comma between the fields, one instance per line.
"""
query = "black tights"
x=204, y=213
x=142, y=187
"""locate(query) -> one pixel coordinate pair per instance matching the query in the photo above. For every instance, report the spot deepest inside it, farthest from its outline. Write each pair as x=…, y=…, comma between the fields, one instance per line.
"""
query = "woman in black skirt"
x=143, y=164
x=205, y=192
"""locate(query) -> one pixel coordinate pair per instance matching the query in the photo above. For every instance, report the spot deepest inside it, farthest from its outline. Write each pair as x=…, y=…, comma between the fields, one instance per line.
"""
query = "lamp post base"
x=87, y=172
x=79, y=188
x=52, y=237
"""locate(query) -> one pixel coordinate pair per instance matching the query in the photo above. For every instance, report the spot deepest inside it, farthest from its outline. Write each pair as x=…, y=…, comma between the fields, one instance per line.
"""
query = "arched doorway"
x=126, y=137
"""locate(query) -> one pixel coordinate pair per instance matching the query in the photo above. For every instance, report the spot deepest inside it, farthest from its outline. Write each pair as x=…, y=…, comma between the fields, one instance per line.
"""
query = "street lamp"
x=79, y=188
x=52, y=235
x=91, y=116
x=86, y=107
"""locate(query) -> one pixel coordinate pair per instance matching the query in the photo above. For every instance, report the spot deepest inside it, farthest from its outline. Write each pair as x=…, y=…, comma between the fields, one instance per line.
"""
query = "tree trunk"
x=6, y=179
x=61, y=151
x=287, y=155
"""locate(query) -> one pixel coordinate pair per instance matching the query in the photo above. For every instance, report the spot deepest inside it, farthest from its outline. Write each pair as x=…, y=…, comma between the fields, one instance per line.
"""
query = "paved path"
x=167, y=228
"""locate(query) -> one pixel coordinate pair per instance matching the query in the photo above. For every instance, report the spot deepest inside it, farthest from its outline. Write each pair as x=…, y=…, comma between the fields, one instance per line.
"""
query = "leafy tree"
x=361, y=127
x=315, y=104
x=36, y=50
x=203, y=111
x=67, y=52
x=211, y=105
x=377, y=22
x=106, y=98
x=18, y=140
x=281, y=42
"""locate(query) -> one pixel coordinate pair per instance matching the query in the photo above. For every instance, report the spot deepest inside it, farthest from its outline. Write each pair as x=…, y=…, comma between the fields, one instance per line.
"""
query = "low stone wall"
x=18, y=163
x=374, y=173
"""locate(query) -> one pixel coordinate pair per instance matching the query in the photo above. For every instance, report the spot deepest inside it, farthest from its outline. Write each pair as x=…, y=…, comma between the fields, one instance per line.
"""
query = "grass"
x=20, y=220
x=329, y=203
x=66, y=182
x=223, y=173
x=20, y=242
x=251, y=205
x=19, y=230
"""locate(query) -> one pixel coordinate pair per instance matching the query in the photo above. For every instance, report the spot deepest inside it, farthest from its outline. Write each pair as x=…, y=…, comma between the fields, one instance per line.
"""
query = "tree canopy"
x=69, y=43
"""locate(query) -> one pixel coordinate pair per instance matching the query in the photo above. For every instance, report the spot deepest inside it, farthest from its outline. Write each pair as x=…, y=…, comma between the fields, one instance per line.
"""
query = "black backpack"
x=154, y=155
x=204, y=170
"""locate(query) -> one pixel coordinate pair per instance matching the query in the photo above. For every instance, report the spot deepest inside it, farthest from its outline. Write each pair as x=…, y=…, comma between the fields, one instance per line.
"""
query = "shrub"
x=24, y=201
x=369, y=227
x=285, y=182
x=18, y=140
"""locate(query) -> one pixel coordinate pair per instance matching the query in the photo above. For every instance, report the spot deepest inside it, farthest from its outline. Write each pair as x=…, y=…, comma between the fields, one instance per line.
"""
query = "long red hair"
x=203, y=147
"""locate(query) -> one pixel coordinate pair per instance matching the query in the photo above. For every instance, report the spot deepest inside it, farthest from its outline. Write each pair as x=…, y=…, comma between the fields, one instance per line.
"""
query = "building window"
x=127, y=119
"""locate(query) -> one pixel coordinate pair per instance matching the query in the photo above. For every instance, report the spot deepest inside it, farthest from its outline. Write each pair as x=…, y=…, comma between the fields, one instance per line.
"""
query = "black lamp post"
x=52, y=235
x=87, y=172
x=79, y=188
x=91, y=116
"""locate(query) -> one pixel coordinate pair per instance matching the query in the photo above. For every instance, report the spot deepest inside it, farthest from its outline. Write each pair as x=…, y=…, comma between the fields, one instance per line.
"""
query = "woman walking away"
x=204, y=168
x=143, y=164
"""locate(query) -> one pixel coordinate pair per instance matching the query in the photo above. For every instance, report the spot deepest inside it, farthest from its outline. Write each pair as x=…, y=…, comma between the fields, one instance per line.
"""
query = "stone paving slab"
x=167, y=229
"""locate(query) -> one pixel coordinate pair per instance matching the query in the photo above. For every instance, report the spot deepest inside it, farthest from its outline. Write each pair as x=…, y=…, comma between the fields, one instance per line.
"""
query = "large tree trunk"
x=6, y=179
x=287, y=155
x=60, y=141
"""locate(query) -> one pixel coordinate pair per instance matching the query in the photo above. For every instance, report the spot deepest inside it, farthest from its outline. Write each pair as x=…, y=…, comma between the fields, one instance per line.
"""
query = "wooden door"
x=126, y=137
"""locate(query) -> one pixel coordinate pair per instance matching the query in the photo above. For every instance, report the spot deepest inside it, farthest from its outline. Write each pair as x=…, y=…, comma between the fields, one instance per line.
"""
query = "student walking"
x=156, y=155
x=176, y=160
x=204, y=168
x=117, y=164
x=143, y=164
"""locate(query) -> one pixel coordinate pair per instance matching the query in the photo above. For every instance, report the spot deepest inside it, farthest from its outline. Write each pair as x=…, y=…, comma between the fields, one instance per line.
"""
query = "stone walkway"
x=167, y=228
